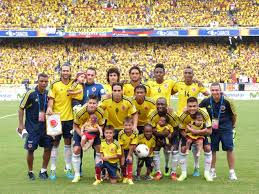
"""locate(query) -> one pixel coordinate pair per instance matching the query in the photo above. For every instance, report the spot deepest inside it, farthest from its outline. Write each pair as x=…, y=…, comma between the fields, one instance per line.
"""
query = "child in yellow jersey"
x=197, y=139
x=76, y=90
x=128, y=139
x=161, y=126
x=110, y=154
x=87, y=139
x=149, y=140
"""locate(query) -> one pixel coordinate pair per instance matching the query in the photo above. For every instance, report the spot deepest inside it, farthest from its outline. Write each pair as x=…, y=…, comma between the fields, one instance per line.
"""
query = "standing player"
x=144, y=106
x=161, y=105
x=128, y=139
x=61, y=102
x=135, y=75
x=80, y=118
x=185, y=89
x=91, y=87
x=35, y=104
x=118, y=107
x=112, y=76
x=223, y=115
x=162, y=88
x=187, y=118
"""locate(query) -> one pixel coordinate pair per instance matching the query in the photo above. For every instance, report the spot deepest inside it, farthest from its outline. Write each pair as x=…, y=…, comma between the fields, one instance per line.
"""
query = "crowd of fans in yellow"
x=24, y=59
x=99, y=13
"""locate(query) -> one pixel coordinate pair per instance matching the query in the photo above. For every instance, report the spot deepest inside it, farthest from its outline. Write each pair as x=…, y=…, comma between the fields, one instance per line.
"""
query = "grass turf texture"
x=14, y=168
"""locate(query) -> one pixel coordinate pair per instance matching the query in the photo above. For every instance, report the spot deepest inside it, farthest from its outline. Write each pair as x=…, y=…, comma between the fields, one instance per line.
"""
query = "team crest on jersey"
x=93, y=89
x=222, y=108
x=193, y=89
x=146, y=108
x=29, y=145
x=123, y=108
x=166, y=85
x=112, y=150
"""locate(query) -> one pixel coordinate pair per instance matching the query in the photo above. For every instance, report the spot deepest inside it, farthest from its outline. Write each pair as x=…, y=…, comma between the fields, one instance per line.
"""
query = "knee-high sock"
x=156, y=160
x=167, y=157
x=196, y=158
x=53, y=157
x=207, y=161
x=129, y=170
x=76, y=160
x=98, y=171
x=175, y=157
x=68, y=156
x=183, y=162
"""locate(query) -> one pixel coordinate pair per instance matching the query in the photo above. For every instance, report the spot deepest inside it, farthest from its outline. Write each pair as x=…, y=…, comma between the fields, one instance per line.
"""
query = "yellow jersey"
x=62, y=102
x=161, y=90
x=185, y=118
x=116, y=112
x=83, y=116
x=128, y=90
x=144, y=110
x=150, y=143
x=196, y=128
x=125, y=141
x=184, y=92
x=76, y=87
x=173, y=119
x=167, y=127
x=110, y=150
x=107, y=88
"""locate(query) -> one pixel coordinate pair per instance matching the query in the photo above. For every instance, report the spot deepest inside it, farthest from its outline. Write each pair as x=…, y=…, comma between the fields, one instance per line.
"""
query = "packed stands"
x=212, y=60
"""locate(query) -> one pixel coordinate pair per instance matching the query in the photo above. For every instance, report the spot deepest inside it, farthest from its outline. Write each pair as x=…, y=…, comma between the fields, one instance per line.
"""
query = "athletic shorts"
x=67, y=126
x=148, y=162
x=90, y=135
x=226, y=139
x=206, y=141
x=111, y=168
x=77, y=140
x=37, y=138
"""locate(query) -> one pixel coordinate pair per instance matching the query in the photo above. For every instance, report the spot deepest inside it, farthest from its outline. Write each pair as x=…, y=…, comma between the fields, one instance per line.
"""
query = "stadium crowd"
x=158, y=13
x=22, y=60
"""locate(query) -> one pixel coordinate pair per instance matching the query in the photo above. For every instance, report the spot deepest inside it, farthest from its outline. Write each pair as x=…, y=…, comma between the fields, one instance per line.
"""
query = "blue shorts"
x=77, y=140
x=226, y=139
x=111, y=168
x=148, y=162
x=38, y=138
x=140, y=129
x=67, y=126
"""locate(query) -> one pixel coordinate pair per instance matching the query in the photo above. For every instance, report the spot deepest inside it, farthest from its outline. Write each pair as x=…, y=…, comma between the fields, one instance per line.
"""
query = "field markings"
x=8, y=116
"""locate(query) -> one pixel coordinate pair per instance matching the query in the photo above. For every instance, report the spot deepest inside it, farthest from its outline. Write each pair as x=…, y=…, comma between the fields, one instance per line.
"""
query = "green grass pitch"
x=13, y=165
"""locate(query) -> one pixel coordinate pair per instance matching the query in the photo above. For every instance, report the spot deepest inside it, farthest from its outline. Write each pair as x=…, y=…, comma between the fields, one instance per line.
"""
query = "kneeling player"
x=128, y=139
x=196, y=139
x=110, y=155
x=149, y=140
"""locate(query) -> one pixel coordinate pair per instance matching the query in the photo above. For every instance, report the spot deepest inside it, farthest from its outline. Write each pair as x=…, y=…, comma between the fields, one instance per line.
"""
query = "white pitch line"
x=8, y=116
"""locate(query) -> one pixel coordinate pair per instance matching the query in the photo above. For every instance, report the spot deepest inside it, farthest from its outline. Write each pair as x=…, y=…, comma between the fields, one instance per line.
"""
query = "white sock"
x=213, y=170
x=183, y=162
x=231, y=171
x=97, y=157
x=76, y=160
x=156, y=160
x=68, y=156
x=207, y=161
x=43, y=170
x=196, y=158
x=53, y=157
x=175, y=156
x=167, y=157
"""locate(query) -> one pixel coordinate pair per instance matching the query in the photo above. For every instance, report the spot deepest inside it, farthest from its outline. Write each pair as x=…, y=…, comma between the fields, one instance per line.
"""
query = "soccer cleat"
x=173, y=176
x=76, y=179
x=97, y=182
x=130, y=182
x=182, y=177
x=158, y=176
x=125, y=180
x=137, y=178
x=166, y=173
x=43, y=175
x=31, y=176
x=52, y=175
x=148, y=178
x=232, y=176
x=213, y=174
x=69, y=173
x=208, y=177
x=196, y=172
